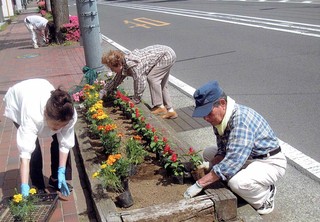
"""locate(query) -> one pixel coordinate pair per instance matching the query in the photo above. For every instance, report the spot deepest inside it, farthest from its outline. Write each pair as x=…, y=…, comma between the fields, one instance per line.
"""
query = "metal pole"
x=1, y=13
x=90, y=33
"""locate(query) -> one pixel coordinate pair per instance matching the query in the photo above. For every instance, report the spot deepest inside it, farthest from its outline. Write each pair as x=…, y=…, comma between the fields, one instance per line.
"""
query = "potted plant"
x=113, y=174
x=21, y=207
x=135, y=153
x=195, y=161
x=175, y=167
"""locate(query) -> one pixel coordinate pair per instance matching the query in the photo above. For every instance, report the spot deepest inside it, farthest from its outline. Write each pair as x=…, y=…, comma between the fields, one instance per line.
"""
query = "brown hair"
x=59, y=107
x=113, y=58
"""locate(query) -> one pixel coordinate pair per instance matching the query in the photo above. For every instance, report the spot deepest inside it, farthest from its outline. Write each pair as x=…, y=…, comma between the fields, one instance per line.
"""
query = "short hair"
x=113, y=58
x=59, y=106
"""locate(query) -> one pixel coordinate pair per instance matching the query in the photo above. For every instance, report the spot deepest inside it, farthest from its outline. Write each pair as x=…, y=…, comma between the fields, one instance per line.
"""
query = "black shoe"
x=54, y=184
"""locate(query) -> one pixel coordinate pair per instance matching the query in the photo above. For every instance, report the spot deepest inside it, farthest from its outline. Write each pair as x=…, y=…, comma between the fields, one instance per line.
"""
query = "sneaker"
x=170, y=115
x=54, y=184
x=159, y=110
x=268, y=205
x=35, y=46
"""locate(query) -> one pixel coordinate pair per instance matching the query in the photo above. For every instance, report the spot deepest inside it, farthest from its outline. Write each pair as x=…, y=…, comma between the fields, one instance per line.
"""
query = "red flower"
x=137, y=113
x=155, y=139
x=191, y=151
x=167, y=149
x=174, y=157
x=131, y=104
x=164, y=139
x=153, y=130
x=148, y=126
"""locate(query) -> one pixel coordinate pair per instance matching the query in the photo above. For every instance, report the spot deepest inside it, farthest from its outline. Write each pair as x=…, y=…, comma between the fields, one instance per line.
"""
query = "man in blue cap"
x=248, y=158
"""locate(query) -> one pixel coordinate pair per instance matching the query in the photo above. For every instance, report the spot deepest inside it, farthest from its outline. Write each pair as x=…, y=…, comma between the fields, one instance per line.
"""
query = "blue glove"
x=62, y=184
x=25, y=189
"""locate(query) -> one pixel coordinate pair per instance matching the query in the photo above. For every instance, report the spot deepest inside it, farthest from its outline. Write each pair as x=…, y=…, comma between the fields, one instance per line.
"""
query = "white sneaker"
x=35, y=46
x=268, y=205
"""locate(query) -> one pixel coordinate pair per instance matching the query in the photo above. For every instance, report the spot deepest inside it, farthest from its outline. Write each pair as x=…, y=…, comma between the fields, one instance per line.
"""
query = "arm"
x=24, y=170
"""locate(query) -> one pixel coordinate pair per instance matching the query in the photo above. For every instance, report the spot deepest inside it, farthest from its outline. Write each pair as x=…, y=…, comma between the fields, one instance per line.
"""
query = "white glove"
x=204, y=165
x=102, y=93
x=193, y=190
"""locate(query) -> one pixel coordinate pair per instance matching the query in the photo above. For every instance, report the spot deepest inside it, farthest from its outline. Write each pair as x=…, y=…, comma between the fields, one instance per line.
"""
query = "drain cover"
x=27, y=56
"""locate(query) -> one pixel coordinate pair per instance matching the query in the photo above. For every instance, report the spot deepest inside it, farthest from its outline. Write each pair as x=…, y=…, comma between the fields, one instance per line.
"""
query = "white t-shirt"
x=25, y=105
x=37, y=21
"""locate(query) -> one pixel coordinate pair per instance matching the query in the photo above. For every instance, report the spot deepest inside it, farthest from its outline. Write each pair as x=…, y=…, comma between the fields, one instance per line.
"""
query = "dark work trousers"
x=36, y=164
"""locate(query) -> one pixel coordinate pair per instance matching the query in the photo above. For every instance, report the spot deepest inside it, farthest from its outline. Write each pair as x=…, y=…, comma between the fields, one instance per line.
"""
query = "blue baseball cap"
x=205, y=97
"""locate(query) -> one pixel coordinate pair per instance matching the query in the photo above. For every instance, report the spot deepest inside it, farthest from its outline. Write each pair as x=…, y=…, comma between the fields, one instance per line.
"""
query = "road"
x=265, y=55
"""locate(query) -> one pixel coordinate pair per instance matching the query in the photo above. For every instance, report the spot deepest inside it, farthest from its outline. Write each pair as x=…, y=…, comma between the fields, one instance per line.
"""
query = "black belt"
x=271, y=153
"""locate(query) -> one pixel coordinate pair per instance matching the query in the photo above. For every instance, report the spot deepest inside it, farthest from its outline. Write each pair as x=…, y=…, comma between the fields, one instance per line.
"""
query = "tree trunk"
x=60, y=14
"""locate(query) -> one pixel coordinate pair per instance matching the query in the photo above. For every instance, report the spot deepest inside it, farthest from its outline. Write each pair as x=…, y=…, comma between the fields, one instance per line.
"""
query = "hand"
x=136, y=100
x=62, y=184
x=102, y=93
x=193, y=190
x=204, y=165
x=25, y=188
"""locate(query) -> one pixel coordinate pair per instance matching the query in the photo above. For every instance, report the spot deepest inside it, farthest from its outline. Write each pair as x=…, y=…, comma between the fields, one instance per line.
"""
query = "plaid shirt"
x=247, y=135
x=138, y=65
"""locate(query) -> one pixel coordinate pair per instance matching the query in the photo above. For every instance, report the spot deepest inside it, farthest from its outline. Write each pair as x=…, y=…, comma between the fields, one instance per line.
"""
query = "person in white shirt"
x=40, y=29
x=38, y=110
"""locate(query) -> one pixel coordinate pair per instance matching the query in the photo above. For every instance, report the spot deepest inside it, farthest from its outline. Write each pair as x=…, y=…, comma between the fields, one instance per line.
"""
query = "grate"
x=44, y=208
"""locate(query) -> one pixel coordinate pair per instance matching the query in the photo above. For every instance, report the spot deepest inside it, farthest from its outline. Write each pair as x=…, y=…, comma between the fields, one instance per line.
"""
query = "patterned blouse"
x=138, y=65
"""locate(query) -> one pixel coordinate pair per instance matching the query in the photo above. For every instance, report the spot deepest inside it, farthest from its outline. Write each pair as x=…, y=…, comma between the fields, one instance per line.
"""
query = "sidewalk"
x=61, y=65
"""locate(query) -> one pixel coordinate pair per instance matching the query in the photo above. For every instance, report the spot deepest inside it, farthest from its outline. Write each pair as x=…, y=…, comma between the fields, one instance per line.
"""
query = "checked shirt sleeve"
x=247, y=134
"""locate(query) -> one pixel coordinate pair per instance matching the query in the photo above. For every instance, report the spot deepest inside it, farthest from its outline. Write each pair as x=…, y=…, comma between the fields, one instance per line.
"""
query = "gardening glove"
x=25, y=188
x=102, y=93
x=193, y=190
x=136, y=100
x=62, y=184
x=204, y=165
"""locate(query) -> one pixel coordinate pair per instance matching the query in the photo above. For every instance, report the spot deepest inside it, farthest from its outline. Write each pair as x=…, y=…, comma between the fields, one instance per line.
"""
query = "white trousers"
x=253, y=181
x=37, y=36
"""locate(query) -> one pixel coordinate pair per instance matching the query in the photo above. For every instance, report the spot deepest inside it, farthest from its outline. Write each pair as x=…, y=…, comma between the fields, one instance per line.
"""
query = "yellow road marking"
x=145, y=23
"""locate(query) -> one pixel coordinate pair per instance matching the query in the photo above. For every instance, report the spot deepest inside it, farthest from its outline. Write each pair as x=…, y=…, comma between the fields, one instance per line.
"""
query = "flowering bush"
x=112, y=171
x=42, y=5
x=21, y=207
x=110, y=138
x=71, y=31
x=135, y=151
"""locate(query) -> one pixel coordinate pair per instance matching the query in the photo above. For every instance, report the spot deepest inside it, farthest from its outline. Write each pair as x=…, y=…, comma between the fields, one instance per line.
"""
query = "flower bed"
x=155, y=181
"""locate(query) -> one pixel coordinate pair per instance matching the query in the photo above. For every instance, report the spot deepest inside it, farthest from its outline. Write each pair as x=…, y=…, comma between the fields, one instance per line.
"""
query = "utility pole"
x=90, y=33
x=1, y=13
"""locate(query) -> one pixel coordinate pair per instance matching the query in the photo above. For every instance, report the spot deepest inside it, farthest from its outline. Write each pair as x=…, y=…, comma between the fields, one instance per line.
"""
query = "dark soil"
x=150, y=185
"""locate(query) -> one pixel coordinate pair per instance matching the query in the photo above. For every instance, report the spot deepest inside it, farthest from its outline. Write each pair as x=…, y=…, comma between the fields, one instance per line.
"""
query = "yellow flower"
x=95, y=174
x=17, y=198
x=103, y=166
x=32, y=191
x=113, y=170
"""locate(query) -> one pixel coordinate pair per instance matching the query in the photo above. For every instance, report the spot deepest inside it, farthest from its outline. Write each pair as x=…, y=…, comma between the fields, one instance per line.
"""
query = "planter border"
x=106, y=208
